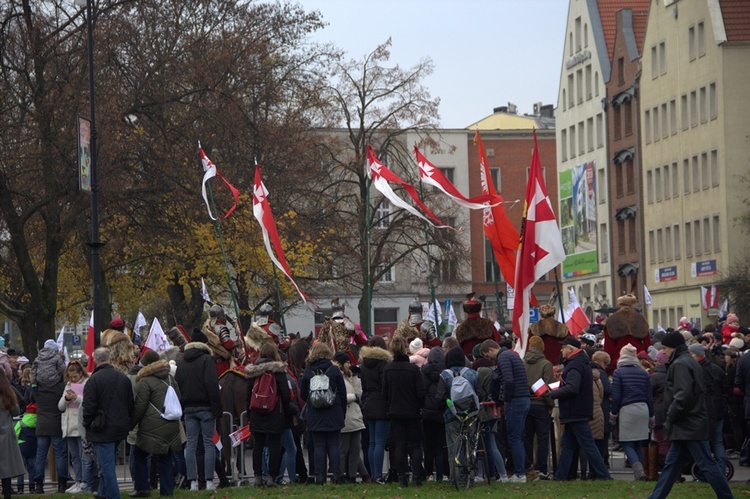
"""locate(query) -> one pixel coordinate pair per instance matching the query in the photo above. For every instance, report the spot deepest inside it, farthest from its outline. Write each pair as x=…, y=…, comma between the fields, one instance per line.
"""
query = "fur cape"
x=153, y=368
x=255, y=370
x=626, y=322
x=340, y=335
x=256, y=337
x=409, y=332
x=120, y=348
x=214, y=342
x=376, y=353
x=475, y=328
x=549, y=327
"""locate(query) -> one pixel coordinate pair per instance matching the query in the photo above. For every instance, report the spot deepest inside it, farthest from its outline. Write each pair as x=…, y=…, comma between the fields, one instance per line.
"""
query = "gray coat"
x=686, y=417
x=11, y=464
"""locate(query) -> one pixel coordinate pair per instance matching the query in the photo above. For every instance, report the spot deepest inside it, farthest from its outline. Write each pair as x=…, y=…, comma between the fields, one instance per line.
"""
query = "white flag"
x=204, y=291
x=157, y=340
x=140, y=321
x=724, y=308
x=61, y=345
x=452, y=319
x=646, y=296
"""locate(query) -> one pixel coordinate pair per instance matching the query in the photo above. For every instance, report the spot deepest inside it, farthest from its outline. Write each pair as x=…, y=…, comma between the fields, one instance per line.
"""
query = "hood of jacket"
x=46, y=354
x=264, y=365
x=534, y=355
x=436, y=355
x=375, y=354
x=159, y=369
x=195, y=350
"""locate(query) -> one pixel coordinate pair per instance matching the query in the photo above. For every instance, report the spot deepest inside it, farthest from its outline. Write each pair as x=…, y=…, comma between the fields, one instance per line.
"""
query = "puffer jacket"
x=597, y=422
x=538, y=367
x=326, y=419
x=431, y=372
x=372, y=363
x=276, y=421
x=575, y=394
x=631, y=384
x=686, y=417
x=70, y=410
x=511, y=374
x=47, y=369
x=658, y=380
x=198, y=380
x=155, y=434
x=353, y=421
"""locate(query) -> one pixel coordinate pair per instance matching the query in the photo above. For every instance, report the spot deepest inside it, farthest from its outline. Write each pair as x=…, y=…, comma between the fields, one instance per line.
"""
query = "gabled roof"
x=608, y=18
x=736, y=14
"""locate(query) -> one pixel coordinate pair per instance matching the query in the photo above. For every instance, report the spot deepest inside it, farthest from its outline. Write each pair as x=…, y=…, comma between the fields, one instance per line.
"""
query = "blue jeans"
x=141, y=476
x=29, y=462
x=106, y=454
x=61, y=456
x=326, y=445
x=76, y=455
x=633, y=451
x=494, y=458
x=289, y=458
x=717, y=446
x=579, y=432
x=675, y=462
x=376, y=452
x=200, y=424
x=515, y=419
x=89, y=474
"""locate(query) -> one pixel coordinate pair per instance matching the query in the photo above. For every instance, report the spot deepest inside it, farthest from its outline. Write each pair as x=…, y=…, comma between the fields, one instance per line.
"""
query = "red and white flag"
x=216, y=439
x=709, y=298
x=90, y=342
x=381, y=175
x=539, y=387
x=240, y=435
x=210, y=172
x=497, y=227
x=157, y=340
x=430, y=174
x=262, y=212
x=575, y=318
x=541, y=248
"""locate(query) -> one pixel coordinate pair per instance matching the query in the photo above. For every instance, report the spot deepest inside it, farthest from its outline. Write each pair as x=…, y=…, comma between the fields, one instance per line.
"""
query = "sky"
x=486, y=52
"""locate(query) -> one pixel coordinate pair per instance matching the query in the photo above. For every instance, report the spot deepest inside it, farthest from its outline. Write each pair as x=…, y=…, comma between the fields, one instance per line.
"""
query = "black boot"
x=31, y=487
x=62, y=485
x=40, y=485
x=403, y=481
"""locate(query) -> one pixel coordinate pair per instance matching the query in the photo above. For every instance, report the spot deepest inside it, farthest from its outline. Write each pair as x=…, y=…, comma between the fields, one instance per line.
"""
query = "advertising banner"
x=578, y=220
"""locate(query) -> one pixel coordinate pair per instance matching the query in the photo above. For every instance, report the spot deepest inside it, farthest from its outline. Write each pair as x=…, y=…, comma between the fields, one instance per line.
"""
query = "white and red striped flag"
x=381, y=175
x=262, y=212
x=709, y=298
x=210, y=172
x=430, y=174
x=539, y=387
x=575, y=318
x=541, y=248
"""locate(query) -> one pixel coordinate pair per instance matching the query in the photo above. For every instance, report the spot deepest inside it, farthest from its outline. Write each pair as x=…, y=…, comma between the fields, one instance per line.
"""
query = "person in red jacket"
x=627, y=325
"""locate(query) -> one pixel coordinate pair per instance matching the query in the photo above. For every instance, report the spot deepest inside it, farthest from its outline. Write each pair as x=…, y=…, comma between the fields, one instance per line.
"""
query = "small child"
x=48, y=367
x=26, y=436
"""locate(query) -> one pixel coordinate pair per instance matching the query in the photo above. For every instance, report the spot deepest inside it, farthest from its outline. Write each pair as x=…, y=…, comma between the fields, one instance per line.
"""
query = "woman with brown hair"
x=11, y=464
x=69, y=405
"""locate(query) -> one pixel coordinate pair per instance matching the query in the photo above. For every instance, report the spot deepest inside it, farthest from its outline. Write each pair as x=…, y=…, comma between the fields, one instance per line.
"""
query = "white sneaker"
x=194, y=486
x=518, y=479
x=74, y=489
x=503, y=479
x=210, y=485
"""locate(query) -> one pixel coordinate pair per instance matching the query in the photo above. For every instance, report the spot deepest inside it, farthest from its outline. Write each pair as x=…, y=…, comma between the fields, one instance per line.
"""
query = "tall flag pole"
x=541, y=249
x=429, y=260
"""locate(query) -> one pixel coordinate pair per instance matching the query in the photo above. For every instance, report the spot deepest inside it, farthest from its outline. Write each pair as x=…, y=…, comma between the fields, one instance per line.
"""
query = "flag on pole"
x=210, y=171
x=541, y=248
x=90, y=342
x=646, y=296
x=428, y=312
x=430, y=174
x=262, y=212
x=381, y=175
x=157, y=340
x=709, y=298
x=204, y=291
x=724, y=308
x=140, y=321
x=452, y=319
x=61, y=345
x=575, y=318
x=497, y=226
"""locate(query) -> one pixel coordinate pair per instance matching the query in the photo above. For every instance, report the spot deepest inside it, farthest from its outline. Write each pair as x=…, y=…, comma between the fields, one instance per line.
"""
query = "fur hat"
x=472, y=305
x=673, y=340
x=51, y=344
x=117, y=323
x=737, y=343
x=628, y=350
x=547, y=310
x=536, y=342
x=198, y=336
x=627, y=300
x=415, y=346
x=697, y=349
x=732, y=318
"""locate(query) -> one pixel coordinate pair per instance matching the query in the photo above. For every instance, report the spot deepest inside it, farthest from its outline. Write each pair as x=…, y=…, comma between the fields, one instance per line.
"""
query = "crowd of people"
x=354, y=400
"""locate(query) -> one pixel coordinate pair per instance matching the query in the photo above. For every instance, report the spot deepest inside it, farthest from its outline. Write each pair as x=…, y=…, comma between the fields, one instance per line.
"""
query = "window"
x=573, y=141
x=571, y=89
x=712, y=104
x=389, y=272
x=657, y=184
x=631, y=235
x=664, y=126
x=673, y=116
x=701, y=40
x=663, y=58
x=496, y=179
x=697, y=238
x=649, y=186
x=691, y=43
x=564, y=144
x=714, y=167
x=704, y=170
x=602, y=184
x=490, y=271
x=668, y=242
x=449, y=173
x=651, y=247
x=696, y=174
x=654, y=63
x=578, y=34
x=581, y=142
x=579, y=86
x=617, y=117
x=684, y=111
x=383, y=215
x=702, y=101
x=585, y=35
x=693, y=108
x=590, y=133
x=596, y=83
x=675, y=180
x=604, y=247
x=621, y=70
x=717, y=233
x=630, y=176
x=589, y=95
x=570, y=44
x=647, y=125
x=628, y=112
x=655, y=113
x=667, y=183
x=447, y=269
x=564, y=100
x=688, y=240
x=385, y=315
x=618, y=180
x=677, y=242
x=659, y=245
x=599, y=130
x=621, y=236
x=686, y=176
x=706, y=236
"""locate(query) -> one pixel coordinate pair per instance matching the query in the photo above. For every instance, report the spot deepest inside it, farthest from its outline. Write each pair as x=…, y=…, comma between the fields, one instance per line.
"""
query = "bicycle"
x=469, y=443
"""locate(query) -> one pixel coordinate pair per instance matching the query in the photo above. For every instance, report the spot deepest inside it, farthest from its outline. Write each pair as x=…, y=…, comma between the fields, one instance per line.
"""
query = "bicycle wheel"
x=485, y=458
x=727, y=469
x=460, y=460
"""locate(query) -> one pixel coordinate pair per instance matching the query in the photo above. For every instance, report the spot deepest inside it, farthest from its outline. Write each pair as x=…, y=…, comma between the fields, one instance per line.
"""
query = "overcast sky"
x=486, y=52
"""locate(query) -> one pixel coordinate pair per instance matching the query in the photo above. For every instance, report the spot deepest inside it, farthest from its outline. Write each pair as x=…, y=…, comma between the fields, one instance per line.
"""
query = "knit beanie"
x=51, y=344
x=628, y=350
x=455, y=358
x=341, y=358
x=732, y=318
x=536, y=342
x=415, y=346
x=673, y=339
x=697, y=349
x=737, y=343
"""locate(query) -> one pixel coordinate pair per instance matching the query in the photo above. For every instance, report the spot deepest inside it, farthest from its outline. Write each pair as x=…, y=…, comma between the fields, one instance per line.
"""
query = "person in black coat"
x=405, y=395
x=267, y=427
x=433, y=423
x=324, y=424
x=715, y=381
x=108, y=392
x=373, y=359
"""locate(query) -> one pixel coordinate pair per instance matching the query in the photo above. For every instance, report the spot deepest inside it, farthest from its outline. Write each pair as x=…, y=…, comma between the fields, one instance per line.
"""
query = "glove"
x=612, y=419
x=651, y=422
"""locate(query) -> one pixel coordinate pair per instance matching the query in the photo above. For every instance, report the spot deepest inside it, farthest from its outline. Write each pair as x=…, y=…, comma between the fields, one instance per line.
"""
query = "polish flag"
x=240, y=435
x=541, y=248
x=497, y=227
x=709, y=298
x=216, y=439
x=575, y=318
x=539, y=387
x=210, y=172
x=430, y=174
x=381, y=175
x=262, y=212
x=90, y=342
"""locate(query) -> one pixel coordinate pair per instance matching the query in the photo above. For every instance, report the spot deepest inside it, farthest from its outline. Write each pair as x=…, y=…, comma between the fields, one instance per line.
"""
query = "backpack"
x=322, y=392
x=265, y=395
x=462, y=395
x=172, y=407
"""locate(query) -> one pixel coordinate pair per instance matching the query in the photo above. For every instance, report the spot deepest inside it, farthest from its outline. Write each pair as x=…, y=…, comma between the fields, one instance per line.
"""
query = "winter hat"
x=198, y=336
x=643, y=356
x=697, y=349
x=659, y=335
x=732, y=318
x=737, y=343
x=341, y=358
x=628, y=350
x=22, y=360
x=627, y=300
x=436, y=355
x=673, y=339
x=570, y=341
x=455, y=358
x=476, y=351
x=117, y=323
x=149, y=357
x=661, y=357
x=415, y=346
x=51, y=344
x=31, y=408
x=546, y=310
x=536, y=342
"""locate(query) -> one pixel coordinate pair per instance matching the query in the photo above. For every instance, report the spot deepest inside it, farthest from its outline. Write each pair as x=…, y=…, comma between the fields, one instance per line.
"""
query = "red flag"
x=211, y=171
x=541, y=248
x=430, y=174
x=89, y=348
x=262, y=212
x=574, y=317
x=497, y=227
x=240, y=435
x=381, y=175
